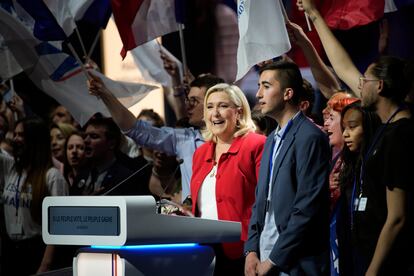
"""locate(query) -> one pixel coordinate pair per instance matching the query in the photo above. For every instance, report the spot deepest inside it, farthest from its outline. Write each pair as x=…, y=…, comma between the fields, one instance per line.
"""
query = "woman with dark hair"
x=28, y=178
x=358, y=127
x=383, y=194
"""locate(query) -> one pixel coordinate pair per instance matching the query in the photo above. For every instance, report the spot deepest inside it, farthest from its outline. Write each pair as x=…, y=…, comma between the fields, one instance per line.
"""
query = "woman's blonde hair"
x=245, y=123
x=66, y=129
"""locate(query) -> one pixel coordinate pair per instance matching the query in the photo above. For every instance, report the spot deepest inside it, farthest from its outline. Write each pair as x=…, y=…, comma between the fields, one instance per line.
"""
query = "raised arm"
x=326, y=80
x=120, y=114
x=339, y=58
x=176, y=94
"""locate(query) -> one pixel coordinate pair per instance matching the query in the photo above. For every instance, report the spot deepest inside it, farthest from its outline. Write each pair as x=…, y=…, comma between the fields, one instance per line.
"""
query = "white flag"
x=262, y=32
x=59, y=75
x=147, y=59
x=9, y=67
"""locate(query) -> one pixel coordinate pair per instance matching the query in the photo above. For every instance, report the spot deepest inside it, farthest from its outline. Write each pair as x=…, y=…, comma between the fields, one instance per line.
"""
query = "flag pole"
x=11, y=82
x=308, y=22
x=12, y=93
x=80, y=41
x=95, y=41
x=182, y=46
x=78, y=60
x=284, y=11
x=9, y=72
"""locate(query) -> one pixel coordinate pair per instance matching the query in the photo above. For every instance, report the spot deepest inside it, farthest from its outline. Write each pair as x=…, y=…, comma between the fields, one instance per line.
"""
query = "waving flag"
x=68, y=12
x=9, y=67
x=46, y=27
x=147, y=59
x=98, y=13
x=59, y=75
x=139, y=21
x=345, y=14
x=262, y=32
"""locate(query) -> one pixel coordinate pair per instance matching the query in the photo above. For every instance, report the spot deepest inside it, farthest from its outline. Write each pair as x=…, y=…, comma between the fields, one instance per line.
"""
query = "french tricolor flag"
x=139, y=21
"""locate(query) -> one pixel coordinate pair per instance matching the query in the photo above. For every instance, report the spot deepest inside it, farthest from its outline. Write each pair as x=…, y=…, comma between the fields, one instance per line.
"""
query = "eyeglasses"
x=192, y=101
x=363, y=80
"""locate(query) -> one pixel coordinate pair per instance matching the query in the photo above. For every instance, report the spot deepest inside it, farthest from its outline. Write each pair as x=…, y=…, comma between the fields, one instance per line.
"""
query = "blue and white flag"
x=59, y=75
x=69, y=12
x=262, y=32
x=45, y=25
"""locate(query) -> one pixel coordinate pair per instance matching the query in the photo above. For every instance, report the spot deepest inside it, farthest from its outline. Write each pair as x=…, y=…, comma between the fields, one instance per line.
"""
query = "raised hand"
x=171, y=67
x=96, y=86
x=16, y=104
x=296, y=34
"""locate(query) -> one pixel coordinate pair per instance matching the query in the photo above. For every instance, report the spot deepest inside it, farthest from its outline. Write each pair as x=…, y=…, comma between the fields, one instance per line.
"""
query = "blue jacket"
x=300, y=198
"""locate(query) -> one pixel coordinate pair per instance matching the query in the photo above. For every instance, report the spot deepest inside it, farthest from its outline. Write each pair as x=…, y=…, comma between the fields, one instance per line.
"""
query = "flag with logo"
x=262, y=33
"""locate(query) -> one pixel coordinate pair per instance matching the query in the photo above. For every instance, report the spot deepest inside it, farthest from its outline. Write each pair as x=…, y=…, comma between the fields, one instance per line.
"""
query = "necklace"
x=213, y=171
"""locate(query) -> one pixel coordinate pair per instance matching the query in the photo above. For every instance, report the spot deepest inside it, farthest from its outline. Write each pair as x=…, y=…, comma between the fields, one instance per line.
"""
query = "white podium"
x=128, y=237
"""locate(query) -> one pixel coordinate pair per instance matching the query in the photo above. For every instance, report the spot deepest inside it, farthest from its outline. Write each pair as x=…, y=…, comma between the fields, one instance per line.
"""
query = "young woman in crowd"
x=358, y=128
x=226, y=169
x=28, y=178
x=58, y=134
x=74, y=155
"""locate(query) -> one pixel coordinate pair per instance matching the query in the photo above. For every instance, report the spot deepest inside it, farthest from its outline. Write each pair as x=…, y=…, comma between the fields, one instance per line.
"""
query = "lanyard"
x=271, y=159
x=274, y=151
x=17, y=195
x=375, y=140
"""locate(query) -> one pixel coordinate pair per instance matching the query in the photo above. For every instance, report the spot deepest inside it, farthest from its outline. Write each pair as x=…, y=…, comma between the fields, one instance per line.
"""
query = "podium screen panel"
x=84, y=220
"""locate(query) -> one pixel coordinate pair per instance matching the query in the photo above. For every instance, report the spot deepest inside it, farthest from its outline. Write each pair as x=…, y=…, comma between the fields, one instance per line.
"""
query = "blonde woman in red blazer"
x=226, y=169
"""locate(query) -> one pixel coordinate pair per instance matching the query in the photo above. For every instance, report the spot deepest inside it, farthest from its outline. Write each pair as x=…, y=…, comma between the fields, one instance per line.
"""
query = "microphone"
x=129, y=177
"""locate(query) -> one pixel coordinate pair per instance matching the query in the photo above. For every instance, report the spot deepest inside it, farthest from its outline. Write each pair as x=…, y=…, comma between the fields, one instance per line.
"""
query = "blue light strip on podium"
x=149, y=246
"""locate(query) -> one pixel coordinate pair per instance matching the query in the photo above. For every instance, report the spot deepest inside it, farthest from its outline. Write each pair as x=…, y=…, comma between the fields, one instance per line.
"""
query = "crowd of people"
x=313, y=198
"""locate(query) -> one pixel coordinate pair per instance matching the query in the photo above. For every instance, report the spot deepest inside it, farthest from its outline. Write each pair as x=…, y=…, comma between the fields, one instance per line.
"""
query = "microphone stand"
x=129, y=177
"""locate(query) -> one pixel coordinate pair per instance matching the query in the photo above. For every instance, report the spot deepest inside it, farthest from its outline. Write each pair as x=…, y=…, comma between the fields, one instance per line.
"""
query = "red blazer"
x=236, y=180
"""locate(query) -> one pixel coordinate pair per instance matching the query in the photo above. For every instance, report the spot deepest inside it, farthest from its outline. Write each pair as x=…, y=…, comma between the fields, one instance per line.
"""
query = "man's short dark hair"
x=288, y=75
x=112, y=130
x=206, y=80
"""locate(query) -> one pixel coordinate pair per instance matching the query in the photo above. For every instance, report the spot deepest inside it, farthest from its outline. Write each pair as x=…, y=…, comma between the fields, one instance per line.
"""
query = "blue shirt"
x=181, y=142
x=269, y=235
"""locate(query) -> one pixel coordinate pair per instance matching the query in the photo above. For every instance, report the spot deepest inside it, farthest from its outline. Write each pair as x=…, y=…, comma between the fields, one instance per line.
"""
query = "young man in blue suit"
x=289, y=227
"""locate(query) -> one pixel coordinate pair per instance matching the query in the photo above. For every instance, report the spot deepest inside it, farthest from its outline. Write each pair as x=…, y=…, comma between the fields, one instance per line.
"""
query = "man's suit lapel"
x=287, y=143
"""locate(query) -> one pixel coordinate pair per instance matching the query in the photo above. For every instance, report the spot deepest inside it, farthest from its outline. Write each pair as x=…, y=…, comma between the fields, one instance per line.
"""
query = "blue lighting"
x=145, y=247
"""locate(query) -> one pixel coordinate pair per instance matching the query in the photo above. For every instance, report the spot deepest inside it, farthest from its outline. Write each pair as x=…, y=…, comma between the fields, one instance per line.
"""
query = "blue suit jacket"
x=300, y=198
